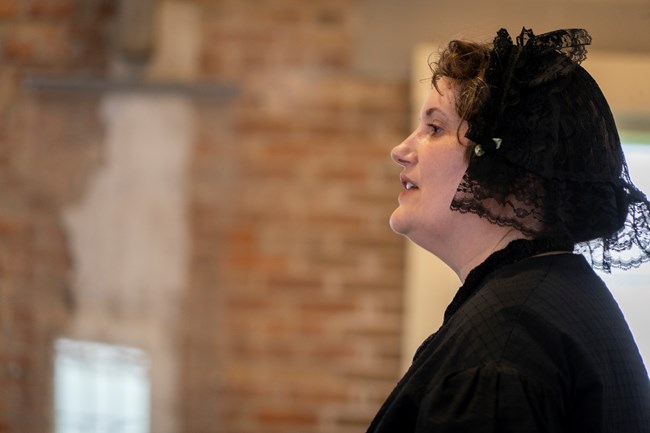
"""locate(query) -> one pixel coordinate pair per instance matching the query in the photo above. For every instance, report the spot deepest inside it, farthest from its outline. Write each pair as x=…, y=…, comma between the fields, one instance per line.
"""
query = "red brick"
x=337, y=171
x=321, y=396
x=239, y=303
x=286, y=417
x=251, y=261
x=39, y=44
x=56, y=9
x=283, y=282
x=9, y=9
x=16, y=50
x=318, y=306
x=13, y=226
x=264, y=123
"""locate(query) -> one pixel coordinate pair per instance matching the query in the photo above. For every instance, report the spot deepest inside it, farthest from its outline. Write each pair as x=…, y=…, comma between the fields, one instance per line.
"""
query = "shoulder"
x=540, y=341
x=555, y=293
x=561, y=290
x=489, y=398
x=554, y=320
x=544, y=315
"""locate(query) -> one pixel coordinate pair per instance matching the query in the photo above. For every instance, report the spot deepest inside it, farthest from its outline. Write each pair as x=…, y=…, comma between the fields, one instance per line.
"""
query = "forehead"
x=441, y=100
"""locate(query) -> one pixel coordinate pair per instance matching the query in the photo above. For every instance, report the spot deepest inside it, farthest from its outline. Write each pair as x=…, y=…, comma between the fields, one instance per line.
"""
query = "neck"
x=477, y=252
x=467, y=242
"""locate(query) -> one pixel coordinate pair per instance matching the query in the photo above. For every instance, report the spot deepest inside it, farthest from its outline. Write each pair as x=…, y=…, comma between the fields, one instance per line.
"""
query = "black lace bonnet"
x=547, y=158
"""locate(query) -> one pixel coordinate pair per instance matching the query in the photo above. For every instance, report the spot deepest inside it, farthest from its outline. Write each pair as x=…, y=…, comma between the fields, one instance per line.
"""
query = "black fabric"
x=515, y=251
x=539, y=345
x=550, y=161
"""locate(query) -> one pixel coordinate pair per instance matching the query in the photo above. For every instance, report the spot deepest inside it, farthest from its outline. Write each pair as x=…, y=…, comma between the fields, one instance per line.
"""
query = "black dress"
x=529, y=344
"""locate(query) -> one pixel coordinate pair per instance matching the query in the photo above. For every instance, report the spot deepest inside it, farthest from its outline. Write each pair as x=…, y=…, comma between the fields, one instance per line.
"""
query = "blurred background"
x=194, y=197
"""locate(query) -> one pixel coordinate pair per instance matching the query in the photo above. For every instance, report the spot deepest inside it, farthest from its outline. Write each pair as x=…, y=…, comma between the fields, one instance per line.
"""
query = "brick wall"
x=290, y=321
x=296, y=282
x=48, y=146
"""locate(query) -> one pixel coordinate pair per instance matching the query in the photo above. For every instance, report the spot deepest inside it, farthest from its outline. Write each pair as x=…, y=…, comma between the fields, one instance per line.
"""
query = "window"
x=100, y=388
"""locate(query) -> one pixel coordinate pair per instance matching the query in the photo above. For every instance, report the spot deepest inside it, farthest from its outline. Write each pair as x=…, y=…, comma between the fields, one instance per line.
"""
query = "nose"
x=403, y=154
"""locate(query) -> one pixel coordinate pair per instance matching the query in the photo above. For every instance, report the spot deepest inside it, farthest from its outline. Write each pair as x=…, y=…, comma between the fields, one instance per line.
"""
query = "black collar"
x=514, y=252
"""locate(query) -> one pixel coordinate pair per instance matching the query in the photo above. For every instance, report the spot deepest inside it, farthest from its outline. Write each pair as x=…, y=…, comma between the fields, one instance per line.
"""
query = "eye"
x=433, y=128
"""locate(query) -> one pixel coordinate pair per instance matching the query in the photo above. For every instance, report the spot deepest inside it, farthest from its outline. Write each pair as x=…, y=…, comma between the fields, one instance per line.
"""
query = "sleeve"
x=491, y=399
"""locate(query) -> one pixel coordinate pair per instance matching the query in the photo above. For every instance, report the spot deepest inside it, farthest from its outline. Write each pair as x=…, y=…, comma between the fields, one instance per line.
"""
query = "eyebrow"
x=428, y=113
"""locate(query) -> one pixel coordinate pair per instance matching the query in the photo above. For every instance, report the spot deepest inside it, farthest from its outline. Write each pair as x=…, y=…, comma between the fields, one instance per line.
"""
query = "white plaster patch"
x=129, y=238
x=128, y=235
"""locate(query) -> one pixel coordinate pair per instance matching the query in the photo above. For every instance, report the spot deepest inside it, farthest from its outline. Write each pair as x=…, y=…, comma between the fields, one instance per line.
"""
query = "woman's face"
x=433, y=161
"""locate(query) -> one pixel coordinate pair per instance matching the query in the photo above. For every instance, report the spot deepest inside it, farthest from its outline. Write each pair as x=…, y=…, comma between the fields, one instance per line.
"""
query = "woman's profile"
x=516, y=179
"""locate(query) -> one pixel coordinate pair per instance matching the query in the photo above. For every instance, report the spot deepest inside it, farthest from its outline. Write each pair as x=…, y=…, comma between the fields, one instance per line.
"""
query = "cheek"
x=446, y=179
x=456, y=176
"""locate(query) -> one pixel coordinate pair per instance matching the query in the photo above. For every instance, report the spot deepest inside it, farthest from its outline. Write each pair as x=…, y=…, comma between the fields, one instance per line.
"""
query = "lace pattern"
x=551, y=162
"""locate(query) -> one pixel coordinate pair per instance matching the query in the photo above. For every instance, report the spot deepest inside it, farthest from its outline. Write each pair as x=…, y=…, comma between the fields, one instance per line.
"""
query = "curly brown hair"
x=466, y=63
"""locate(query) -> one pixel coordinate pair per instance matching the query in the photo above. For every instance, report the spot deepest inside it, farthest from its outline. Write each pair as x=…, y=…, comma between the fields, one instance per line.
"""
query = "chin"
x=397, y=224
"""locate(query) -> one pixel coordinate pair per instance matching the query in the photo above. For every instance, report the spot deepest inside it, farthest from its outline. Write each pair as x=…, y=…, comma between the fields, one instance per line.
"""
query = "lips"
x=408, y=183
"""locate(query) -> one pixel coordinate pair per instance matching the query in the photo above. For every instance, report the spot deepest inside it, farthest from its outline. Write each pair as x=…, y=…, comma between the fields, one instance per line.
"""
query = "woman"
x=516, y=164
